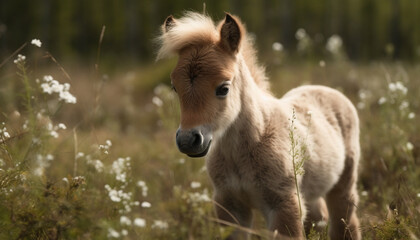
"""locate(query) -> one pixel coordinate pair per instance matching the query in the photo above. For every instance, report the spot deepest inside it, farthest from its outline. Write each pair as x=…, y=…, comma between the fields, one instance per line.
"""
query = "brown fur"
x=249, y=161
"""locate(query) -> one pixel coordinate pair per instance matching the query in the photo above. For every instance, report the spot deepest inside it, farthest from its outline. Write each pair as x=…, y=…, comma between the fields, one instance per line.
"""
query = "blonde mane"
x=197, y=29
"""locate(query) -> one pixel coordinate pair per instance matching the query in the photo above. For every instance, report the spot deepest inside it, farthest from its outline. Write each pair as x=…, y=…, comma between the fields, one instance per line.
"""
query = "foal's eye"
x=222, y=90
x=173, y=88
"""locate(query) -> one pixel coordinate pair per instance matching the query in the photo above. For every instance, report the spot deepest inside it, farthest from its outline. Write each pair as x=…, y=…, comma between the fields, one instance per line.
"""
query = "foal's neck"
x=255, y=104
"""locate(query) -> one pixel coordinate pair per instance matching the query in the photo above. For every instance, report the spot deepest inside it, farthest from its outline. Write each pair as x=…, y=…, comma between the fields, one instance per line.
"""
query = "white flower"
x=6, y=134
x=112, y=233
x=300, y=34
x=97, y=164
x=411, y=115
x=124, y=232
x=334, y=44
x=418, y=195
x=382, y=100
x=322, y=63
x=157, y=101
x=42, y=163
x=364, y=193
x=409, y=146
x=146, y=205
x=80, y=155
x=139, y=222
x=404, y=105
x=160, y=224
x=195, y=184
x=51, y=86
x=62, y=126
x=125, y=221
x=36, y=42
x=119, y=168
x=20, y=58
x=144, y=188
x=65, y=180
x=67, y=97
x=278, y=47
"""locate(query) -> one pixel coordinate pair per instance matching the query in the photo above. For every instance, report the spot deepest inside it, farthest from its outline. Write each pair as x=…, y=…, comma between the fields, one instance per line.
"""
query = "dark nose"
x=189, y=141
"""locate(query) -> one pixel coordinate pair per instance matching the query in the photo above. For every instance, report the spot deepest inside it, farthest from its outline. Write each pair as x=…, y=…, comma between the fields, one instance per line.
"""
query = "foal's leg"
x=317, y=212
x=233, y=211
x=284, y=216
x=342, y=201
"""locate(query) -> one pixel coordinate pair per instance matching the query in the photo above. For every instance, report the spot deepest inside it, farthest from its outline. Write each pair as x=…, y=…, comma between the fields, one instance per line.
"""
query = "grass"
x=114, y=171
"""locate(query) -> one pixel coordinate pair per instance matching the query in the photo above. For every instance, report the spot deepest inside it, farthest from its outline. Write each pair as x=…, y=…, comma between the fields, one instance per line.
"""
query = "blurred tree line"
x=370, y=29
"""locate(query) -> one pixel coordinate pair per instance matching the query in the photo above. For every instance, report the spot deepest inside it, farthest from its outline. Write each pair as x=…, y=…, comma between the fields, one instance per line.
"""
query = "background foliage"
x=106, y=166
x=370, y=29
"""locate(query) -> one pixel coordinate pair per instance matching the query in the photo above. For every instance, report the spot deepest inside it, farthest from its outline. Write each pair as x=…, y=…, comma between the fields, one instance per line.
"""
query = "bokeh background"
x=107, y=166
x=370, y=29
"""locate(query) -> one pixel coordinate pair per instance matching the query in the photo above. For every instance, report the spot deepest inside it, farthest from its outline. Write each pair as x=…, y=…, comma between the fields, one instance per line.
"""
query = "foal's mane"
x=197, y=29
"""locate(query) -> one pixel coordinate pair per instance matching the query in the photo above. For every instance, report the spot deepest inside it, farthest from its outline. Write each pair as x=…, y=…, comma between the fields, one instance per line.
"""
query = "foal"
x=228, y=114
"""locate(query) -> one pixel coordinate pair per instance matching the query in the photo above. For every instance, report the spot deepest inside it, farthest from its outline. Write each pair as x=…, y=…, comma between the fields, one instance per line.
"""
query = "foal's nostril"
x=197, y=139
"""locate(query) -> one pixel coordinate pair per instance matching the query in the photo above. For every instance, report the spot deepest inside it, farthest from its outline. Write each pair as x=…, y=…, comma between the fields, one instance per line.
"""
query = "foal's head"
x=204, y=77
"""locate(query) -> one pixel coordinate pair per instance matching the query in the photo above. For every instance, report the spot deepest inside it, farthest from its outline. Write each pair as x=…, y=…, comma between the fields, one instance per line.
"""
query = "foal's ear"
x=169, y=23
x=230, y=34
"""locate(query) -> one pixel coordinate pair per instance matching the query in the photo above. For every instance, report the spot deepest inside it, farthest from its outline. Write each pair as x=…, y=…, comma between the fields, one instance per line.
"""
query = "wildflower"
x=51, y=86
x=382, y=100
x=36, y=42
x=411, y=115
x=119, y=168
x=144, y=188
x=322, y=63
x=199, y=197
x=160, y=224
x=4, y=132
x=404, y=105
x=124, y=232
x=334, y=44
x=157, y=101
x=278, y=47
x=364, y=193
x=300, y=34
x=79, y=155
x=97, y=164
x=195, y=184
x=125, y=221
x=42, y=163
x=62, y=126
x=20, y=58
x=65, y=180
x=139, y=222
x=409, y=146
x=79, y=178
x=418, y=195
x=146, y=205
x=112, y=233
x=105, y=147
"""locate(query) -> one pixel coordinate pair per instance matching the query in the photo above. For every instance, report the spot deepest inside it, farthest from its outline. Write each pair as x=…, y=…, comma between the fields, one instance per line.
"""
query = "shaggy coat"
x=228, y=114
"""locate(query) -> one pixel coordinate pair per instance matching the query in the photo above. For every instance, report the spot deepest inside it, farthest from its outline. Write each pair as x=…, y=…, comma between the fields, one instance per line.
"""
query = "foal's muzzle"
x=194, y=142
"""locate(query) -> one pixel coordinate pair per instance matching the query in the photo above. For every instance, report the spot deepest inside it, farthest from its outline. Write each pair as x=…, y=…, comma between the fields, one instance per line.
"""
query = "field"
x=97, y=159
